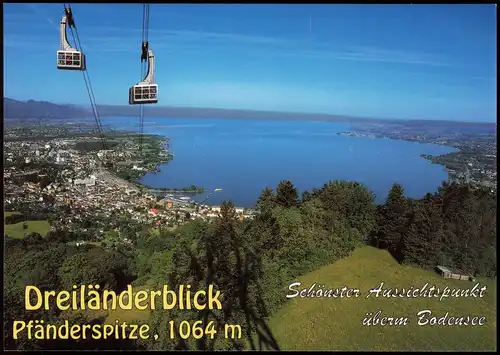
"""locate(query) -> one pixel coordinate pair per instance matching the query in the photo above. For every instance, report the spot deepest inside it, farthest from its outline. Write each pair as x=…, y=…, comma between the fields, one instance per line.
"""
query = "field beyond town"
x=18, y=231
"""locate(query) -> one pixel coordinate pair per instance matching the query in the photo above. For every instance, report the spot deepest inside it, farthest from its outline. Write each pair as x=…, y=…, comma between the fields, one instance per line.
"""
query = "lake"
x=242, y=157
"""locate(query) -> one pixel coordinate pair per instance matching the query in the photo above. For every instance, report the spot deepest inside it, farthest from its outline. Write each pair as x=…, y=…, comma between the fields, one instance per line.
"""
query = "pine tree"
x=286, y=194
x=266, y=200
x=396, y=218
x=421, y=242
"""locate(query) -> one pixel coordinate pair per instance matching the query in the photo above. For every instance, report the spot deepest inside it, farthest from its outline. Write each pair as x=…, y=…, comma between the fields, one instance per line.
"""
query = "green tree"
x=422, y=241
x=94, y=265
x=286, y=194
x=219, y=257
x=306, y=196
x=292, y=244
x=395, y=219
x=351, y=201
x=266, y=200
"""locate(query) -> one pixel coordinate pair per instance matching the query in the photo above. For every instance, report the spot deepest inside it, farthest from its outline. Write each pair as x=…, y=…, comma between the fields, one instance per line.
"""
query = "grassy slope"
x=335, y=324
x=17, y=231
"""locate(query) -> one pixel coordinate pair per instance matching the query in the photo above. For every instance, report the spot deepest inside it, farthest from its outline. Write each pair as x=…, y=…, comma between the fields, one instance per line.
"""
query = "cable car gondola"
x=145, y=92
x=69, y=58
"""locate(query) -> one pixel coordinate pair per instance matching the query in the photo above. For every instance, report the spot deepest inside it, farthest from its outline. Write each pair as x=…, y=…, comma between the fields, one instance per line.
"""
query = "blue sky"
x=381, y=61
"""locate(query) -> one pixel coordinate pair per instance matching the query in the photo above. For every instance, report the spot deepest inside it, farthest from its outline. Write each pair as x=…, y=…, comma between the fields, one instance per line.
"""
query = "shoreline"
x=153, y=167
x=428, y=157
x=355, y=133
x=450, y=175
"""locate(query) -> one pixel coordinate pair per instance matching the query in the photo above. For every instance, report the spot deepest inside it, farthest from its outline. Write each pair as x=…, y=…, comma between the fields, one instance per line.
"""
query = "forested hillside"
x=253, y=261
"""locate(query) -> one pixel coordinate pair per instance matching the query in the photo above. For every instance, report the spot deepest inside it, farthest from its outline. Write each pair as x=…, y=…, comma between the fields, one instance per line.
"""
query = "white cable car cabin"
x=68, y=58
x=146, y=92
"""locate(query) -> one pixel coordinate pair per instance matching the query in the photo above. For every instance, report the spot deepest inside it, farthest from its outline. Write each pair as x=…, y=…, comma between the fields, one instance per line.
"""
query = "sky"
x=379, y=61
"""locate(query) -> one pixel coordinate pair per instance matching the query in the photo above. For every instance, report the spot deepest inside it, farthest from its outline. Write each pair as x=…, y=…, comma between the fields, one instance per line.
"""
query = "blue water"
x=242, y=157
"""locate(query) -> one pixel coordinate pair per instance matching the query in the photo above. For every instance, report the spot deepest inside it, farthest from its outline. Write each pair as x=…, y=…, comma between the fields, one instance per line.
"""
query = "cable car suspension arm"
x=86, y=76
x=144, y=63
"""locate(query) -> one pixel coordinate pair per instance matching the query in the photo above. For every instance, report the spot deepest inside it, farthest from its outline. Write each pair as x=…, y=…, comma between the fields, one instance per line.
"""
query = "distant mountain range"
x=36, y=110
x=41, y=110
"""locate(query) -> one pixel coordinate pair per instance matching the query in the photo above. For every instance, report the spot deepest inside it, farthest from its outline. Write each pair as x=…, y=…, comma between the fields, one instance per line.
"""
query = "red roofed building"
x=153, y=211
